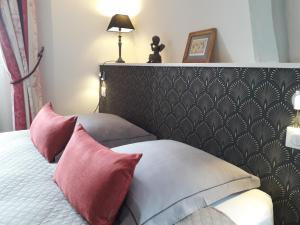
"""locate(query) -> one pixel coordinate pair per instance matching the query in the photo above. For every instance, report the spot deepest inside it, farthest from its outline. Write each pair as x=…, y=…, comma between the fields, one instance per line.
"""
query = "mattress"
x=252, y=207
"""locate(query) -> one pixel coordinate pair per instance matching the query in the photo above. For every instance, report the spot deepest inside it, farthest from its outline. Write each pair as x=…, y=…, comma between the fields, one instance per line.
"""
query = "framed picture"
x=200, y=46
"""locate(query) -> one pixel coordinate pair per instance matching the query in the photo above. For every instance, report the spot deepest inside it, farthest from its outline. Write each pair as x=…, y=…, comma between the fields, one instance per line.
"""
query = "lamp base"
x=120, y=60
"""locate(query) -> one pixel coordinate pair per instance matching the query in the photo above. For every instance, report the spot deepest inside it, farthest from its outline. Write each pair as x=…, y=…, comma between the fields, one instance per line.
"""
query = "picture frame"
x=200, y=46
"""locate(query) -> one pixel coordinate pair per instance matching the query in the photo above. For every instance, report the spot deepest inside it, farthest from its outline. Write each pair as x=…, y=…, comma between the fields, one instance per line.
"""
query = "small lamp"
x=120, y=23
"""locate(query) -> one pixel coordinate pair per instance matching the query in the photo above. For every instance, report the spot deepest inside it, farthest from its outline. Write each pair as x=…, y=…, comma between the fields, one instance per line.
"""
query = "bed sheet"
x=252, y=207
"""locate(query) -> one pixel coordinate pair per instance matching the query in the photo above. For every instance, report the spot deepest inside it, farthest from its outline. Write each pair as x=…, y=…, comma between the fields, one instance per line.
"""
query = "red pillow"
x=93, y=178
x=51, y=132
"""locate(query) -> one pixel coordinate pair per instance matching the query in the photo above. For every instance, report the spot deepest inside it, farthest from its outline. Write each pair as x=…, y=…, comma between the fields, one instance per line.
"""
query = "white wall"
x=173, y=20
x=263, y=32
x=293, y=28
x=5, y=99
x=45, y=34
x=74, y=35
x=280, y=28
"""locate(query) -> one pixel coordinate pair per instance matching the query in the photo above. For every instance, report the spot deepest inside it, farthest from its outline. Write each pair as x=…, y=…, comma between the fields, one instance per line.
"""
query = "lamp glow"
x=111, y=7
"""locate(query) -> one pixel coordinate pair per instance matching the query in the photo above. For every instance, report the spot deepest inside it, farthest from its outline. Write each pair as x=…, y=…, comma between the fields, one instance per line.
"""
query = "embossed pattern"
x=238, y=114
x=28, y=195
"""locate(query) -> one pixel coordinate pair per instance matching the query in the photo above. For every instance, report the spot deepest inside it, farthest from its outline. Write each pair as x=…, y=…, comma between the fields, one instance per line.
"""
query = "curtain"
x=18, y=38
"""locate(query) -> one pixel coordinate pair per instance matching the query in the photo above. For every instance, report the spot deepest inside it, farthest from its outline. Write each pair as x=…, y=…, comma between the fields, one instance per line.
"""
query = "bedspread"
x=28, y=194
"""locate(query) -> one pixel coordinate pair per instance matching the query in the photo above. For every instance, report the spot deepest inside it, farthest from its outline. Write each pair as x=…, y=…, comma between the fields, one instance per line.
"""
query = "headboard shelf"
x=211, y=65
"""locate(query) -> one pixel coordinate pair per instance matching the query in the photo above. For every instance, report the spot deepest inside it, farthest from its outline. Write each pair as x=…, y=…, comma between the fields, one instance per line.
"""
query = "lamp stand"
x=120, y=60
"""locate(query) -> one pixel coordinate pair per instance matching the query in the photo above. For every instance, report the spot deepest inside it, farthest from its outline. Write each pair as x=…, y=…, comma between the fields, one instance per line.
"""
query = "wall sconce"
x=120, y=23
x=102, y=76
x=293, y=132
x=296, y=104
x=296, y=100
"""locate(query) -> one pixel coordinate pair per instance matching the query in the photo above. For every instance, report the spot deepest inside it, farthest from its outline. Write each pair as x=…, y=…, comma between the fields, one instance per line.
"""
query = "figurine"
x=156, y=48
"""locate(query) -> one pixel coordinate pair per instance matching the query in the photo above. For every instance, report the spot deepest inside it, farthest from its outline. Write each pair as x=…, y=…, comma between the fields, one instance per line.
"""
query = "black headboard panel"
x=239, y=114
x=129, y=94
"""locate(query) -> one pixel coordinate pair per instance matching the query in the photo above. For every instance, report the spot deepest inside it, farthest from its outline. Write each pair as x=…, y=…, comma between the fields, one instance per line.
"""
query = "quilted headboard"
x=238, y=114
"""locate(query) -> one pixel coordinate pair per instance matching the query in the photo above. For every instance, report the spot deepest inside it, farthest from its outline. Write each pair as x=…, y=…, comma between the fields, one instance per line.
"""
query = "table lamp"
x=120, y=23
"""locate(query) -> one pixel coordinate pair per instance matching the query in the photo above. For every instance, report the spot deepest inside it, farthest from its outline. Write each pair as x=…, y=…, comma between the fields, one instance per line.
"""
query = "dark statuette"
x=156, y=48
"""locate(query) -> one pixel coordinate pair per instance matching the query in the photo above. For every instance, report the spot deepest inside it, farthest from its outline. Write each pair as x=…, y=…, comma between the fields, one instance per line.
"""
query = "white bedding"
x=29, y=196
x=252, y=207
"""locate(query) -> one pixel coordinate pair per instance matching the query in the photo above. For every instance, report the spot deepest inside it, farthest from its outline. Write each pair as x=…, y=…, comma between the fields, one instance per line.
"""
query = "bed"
x=28, y=194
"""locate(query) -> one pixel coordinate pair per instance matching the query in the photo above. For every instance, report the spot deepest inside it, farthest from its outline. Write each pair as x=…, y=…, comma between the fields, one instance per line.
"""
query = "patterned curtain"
x=18, y=38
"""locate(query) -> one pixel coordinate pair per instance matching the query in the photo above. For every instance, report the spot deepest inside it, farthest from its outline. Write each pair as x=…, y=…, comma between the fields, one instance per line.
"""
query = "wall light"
x=293, y=132
x=296, y=104
x=296, y=100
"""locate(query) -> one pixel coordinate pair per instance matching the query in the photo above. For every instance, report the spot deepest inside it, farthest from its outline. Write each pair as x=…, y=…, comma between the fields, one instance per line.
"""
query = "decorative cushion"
x=93, y=178
x=51, y=132
x=112, y=131
x=174, y=180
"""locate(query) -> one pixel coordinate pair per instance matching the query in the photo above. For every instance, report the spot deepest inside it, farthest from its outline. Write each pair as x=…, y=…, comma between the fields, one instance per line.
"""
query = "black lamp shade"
x=120, y=23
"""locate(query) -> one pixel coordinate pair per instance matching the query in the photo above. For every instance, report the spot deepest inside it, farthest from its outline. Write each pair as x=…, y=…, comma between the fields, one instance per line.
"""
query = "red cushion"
x=51, y=132
x=93, y=178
